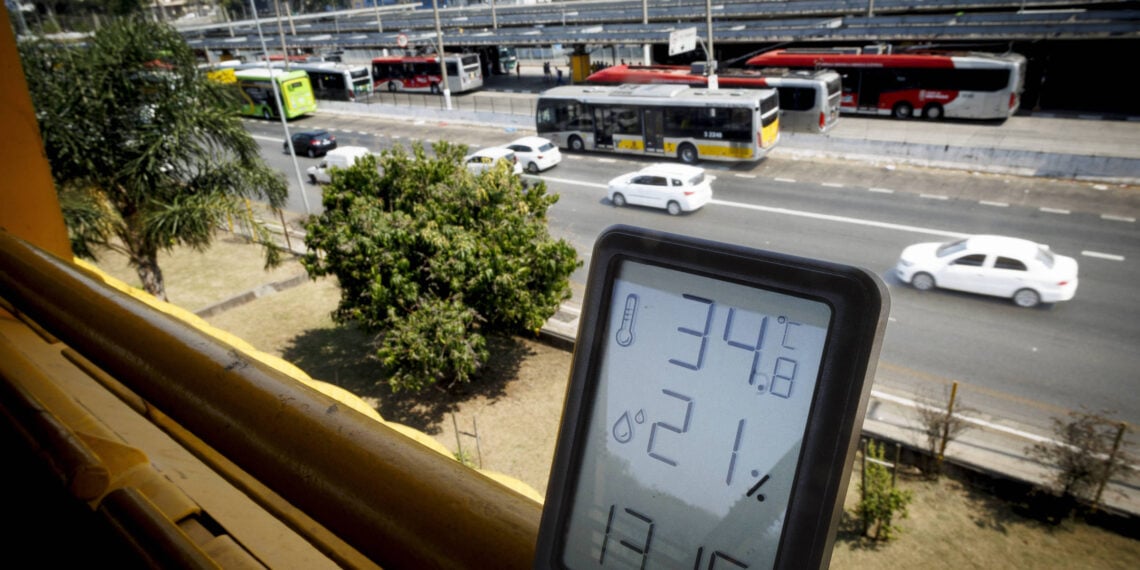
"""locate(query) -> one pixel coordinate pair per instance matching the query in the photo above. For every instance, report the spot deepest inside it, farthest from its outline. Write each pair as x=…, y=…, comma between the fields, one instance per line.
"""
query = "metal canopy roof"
x=734, y=21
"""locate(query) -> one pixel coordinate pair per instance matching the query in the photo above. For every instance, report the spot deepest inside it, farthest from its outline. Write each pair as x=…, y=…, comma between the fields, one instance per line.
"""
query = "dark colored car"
x=311, y=143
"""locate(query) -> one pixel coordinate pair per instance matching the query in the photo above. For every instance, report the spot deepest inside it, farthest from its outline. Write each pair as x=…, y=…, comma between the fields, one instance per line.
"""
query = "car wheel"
x=902, y=111
x=532, y=168
x=576, y=144
x=933, y=112
x=311, y=153
x=1026, y=298
x=618, y=200
x=922, y=281
x=687, y=153
x=392, y=86
x=313, y=178
x=673, y=208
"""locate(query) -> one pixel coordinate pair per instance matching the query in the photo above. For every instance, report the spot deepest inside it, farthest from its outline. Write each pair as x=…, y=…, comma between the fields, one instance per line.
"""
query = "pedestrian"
x=546, y=71
x=518, y=69
x=559, y=70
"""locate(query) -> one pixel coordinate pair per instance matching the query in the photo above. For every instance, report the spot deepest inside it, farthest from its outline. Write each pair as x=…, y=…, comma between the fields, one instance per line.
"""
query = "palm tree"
x=146, y=152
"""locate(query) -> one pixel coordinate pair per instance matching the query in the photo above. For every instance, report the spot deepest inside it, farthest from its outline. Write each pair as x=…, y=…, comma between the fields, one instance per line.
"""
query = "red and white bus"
x=421, y=73
x=903, y=85
x=809, y=99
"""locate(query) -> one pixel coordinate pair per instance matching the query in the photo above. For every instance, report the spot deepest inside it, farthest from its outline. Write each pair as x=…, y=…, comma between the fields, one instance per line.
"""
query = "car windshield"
x=951, y=247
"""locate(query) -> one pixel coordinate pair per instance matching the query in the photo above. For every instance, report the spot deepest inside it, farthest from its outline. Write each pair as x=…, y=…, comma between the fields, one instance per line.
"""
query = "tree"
x=1087, y=453
x=146, y=153
x=434, y=258
x=880, y=501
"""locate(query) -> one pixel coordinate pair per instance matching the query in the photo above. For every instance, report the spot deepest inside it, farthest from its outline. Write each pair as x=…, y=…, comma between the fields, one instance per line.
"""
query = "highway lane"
x=1068, y=355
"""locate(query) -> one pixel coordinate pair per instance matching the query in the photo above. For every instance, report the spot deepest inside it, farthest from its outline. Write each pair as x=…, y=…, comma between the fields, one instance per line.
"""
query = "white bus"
x=337, y=81
x=809, y=99
x=662, y=120
x=905, y=85
x=421, y=73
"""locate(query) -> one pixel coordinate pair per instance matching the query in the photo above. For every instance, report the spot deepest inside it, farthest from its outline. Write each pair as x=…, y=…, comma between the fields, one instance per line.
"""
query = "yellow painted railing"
x=399, y=503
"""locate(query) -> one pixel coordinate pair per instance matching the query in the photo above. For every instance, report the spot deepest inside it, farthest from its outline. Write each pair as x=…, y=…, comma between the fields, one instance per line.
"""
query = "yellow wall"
x=29, y=208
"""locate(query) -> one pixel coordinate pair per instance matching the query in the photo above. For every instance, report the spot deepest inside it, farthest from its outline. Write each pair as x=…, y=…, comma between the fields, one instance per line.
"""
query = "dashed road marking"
x=739, y=175
x=1113, y=218
x=881, y=190
x=1099, y=255
x=791, y=180
x=831, y=184
x=607, y=160
x=934, y=196
x=994, y=204
x=1054, y=210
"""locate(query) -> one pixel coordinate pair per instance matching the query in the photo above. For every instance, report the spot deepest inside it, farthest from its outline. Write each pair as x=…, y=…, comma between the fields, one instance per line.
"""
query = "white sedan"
x=536, y=153
x=485, y=159
x=1014, y=268
x=675, y=187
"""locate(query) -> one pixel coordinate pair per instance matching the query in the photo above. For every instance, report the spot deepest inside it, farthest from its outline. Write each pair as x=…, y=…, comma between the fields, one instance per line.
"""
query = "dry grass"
x=516, y=404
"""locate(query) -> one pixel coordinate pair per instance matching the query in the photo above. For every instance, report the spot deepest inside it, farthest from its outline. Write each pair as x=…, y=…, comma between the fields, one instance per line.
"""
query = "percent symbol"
x=756, y=487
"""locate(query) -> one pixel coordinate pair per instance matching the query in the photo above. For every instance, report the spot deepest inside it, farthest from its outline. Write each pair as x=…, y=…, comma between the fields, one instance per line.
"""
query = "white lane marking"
x=1113, y=218
x=842, y=219
x=995, y=204
x=1099, y=255
x=607, y=160
x=1053, y=210
x=792, y=180
x=831, y=184
x=881, y=190
x=738, y=175
x=934, y=196
x=578, y=182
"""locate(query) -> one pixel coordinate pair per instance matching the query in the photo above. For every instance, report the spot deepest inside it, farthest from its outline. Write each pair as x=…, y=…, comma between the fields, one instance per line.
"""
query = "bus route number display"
x=713, y=406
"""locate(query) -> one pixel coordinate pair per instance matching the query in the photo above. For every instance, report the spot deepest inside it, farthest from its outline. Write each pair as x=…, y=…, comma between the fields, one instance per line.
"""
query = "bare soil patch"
x=516, y=403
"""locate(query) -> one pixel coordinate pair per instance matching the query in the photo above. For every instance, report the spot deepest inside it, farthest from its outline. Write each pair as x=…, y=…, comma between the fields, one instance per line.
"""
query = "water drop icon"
x=623, y=430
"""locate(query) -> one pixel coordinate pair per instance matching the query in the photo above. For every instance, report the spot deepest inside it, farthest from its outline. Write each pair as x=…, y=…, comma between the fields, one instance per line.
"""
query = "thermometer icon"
x=625, y=333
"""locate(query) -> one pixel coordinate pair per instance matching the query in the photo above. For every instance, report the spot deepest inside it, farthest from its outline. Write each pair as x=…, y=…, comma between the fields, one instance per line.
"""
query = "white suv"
x=675, y=187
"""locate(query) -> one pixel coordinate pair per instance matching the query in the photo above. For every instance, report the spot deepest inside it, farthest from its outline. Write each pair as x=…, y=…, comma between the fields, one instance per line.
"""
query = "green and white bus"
x=296, y=92
x=662, y=120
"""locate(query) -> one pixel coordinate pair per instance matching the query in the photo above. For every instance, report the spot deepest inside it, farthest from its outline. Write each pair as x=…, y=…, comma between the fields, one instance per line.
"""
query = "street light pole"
x=442, y=63
x=712, y=58
x=281, y=112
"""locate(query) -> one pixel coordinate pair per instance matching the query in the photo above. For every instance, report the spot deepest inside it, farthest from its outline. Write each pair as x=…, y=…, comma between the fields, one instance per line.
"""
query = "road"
x=1014, y=363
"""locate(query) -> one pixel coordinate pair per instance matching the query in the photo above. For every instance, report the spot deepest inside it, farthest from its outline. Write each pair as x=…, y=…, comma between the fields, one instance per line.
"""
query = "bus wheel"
x=687, y=153
x=933, y=112
x=265, y=114
x=435, y=89
x=576, y=144
x=902, y=111
x=392, y=86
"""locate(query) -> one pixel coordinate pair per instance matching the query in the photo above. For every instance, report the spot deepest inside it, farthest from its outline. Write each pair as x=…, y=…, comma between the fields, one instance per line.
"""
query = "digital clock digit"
x=691, y=402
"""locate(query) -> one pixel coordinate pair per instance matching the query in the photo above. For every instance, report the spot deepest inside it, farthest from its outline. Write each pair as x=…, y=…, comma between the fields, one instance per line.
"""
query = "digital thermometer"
x=713, y=407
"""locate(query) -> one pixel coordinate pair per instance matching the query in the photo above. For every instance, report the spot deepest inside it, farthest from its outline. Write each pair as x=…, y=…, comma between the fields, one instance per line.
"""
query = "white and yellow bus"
x=662, y=120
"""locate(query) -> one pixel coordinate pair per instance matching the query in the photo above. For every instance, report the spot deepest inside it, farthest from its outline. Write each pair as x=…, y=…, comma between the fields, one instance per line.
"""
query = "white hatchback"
x=485, y=159
x=536, y=153
x=1014, y=268
x=675, y=187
